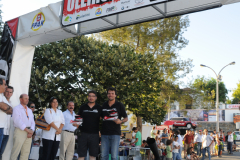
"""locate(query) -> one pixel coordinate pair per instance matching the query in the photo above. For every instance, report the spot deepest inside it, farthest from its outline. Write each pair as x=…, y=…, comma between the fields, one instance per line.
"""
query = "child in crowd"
x=176, y=148
x=169, y=149
x=191, y=155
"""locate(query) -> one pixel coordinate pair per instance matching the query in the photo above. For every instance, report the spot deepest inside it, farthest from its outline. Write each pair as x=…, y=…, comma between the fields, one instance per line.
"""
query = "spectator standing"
x=24, y=127
x=5, y=107
x=188, y=140
x=138, y=140
x=176, y=147
x=164, y=136
x=218, y=142
x=234, y=138
x=67, y=143
x=51, y=139
x=153, y=132
x=8, y=94
x=89, y=138
x=207, y=141
x=38, y=137
x=221, y=133
x=226, y=140
x=111, y=129
x=133, y=136
x=31, y=106
x=198, y=141
x=230, y=142
x=169, y=150
x=212, y=147
x=180, y=142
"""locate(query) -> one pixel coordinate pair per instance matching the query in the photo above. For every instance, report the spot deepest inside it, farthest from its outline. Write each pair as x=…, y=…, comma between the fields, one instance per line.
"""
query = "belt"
x=28, y=127
x=68, y=131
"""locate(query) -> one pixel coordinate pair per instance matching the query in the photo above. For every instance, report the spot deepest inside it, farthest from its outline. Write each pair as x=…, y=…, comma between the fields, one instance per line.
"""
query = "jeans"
x=223, y=146
x=1, y=136
x=4, y=143
x=175, y=156
x=234, y=141
x=204, y=151
x=230, y=147
x=199, y=146
x=219, y=149
x=180, y=153
x=110, y=143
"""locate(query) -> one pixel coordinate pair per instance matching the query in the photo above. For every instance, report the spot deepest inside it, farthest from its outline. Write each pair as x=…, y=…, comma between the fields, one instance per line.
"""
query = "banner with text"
x=75, y=11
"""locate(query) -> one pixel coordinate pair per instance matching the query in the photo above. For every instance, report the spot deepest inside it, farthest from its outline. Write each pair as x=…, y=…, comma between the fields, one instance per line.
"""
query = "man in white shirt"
x=67, y=142
x=5, y=109
x=8, y=94
x=24, y=124
x=207, y=140
x=198, y=141
x=180, y=142
x=230, y=142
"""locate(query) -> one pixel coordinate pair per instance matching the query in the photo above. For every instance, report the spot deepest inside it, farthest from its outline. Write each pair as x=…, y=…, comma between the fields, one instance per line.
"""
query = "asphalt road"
x=226, y=156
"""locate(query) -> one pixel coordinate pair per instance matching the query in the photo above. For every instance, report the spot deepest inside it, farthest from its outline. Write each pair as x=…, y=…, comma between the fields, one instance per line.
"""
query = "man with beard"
x=89, y=139
x=67, y=143
x=112, y=112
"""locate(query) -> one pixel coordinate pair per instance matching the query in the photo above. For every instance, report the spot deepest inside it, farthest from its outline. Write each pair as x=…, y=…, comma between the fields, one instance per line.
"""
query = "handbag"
x=42, y=124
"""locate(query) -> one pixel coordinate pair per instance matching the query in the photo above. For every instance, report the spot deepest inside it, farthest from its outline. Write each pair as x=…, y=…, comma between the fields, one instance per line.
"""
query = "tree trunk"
x=139, y=123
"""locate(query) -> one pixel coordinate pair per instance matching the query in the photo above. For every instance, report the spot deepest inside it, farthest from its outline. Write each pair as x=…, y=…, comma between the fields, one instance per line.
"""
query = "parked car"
x=181, y=122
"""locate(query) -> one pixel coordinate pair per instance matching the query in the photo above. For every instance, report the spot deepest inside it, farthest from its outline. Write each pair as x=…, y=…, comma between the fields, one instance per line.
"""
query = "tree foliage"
x=236, y=93
x=163, y=39
x=204, y=92
x=68, y=69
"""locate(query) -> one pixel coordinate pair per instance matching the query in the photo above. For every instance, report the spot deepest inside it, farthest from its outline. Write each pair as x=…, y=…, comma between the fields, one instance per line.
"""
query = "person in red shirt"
x=188, y=140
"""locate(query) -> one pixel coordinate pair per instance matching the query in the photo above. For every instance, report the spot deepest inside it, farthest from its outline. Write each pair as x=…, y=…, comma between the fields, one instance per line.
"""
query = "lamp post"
x=218, y=78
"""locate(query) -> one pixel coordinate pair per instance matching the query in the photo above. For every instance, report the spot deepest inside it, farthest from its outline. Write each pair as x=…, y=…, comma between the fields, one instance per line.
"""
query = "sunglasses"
x=32, y=106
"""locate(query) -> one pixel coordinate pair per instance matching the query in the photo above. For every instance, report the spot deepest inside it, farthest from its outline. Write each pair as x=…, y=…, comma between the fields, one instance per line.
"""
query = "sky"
x=214, y=38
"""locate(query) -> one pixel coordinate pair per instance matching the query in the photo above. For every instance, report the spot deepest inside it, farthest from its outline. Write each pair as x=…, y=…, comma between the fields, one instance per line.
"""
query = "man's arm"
x=6, y=108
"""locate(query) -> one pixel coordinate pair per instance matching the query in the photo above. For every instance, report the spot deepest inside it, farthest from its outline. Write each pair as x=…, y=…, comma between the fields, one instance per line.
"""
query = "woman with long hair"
x=51, y=138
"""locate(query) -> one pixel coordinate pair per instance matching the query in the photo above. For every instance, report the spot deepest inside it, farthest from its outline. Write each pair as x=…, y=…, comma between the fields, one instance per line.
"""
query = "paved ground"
x=226, y=156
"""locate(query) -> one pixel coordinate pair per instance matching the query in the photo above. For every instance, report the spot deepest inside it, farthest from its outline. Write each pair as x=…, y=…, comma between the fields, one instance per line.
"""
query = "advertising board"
x=199, y=115
x=76, y=11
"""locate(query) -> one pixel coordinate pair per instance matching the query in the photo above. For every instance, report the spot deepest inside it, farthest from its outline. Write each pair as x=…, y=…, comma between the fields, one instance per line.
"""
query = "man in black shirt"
x=89, y=139
x=112, y=112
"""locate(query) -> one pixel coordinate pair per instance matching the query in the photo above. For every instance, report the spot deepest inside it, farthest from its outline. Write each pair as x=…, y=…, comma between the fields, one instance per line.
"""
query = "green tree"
x=162, y=38
x=235, y=101
x=204, y=92
x=236, y=93
x=68, y=69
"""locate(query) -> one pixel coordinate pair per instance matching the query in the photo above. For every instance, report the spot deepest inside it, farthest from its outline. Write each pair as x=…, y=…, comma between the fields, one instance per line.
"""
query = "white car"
x=238, y=134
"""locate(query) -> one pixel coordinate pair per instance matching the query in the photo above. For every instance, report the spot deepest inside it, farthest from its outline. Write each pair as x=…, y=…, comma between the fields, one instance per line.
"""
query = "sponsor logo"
x=98, y=12
x=179, y=123
x=38, y=21
x=125, y=2
x=113, y=8
x=82, y=16
x=125, y=7
x=68, y=19
x=138, y=2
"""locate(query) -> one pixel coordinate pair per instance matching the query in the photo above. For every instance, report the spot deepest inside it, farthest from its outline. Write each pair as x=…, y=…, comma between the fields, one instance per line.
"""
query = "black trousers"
x=50, y=148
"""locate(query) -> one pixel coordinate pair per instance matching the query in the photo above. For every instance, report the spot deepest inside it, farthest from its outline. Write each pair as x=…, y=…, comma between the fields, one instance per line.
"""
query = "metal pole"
x=217, y=109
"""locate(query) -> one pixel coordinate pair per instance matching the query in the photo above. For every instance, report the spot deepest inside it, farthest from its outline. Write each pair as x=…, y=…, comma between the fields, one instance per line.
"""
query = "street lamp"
x=218, y=78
